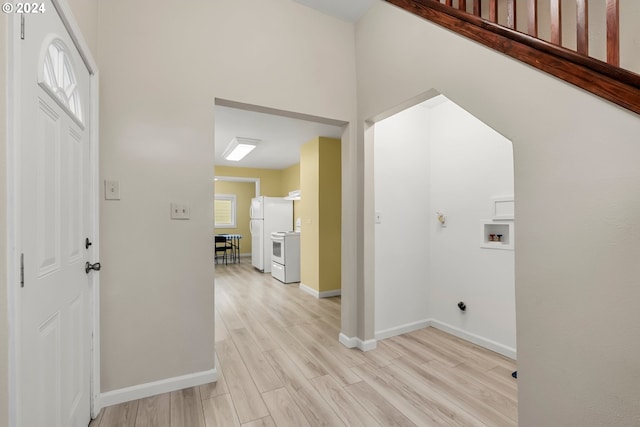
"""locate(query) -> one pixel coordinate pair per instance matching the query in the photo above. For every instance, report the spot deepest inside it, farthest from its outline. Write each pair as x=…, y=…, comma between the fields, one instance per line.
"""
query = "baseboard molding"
x=403, y=329
x=357, y=342
x=167, y=385
x=329, y=294
x=325, y=294
x=502, y=349
x=467, y=336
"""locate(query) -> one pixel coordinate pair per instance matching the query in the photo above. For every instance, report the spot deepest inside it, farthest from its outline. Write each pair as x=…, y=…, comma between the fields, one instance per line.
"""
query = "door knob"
x=88, y=267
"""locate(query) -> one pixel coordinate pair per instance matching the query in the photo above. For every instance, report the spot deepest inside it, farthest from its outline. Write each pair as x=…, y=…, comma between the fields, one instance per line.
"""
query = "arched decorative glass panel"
x=59, y=78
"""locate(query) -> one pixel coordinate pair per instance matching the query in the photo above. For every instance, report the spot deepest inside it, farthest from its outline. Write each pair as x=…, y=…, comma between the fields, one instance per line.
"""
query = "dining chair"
x=221, y=246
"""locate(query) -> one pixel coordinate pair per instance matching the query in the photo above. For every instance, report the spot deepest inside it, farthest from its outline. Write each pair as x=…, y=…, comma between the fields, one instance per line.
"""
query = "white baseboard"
x=325, y=294
x=403, y=329
x=502, y=349
x=329, y=294
x=357, y=342
x=467, y=336
x=167, y=385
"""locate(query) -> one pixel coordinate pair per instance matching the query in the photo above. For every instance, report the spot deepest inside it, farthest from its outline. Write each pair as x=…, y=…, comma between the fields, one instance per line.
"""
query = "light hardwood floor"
x=281, y=365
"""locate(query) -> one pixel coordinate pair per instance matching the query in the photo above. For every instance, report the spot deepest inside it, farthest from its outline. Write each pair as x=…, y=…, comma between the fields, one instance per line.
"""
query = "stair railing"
x=605, y=79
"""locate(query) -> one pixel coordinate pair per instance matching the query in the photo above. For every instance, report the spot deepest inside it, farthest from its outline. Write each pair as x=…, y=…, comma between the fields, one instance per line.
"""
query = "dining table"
x=234, y=240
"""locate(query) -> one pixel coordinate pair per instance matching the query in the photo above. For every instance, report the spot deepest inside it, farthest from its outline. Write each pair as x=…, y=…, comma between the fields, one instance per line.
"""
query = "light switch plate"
x=111, y=190
x=185, y=212
x=180, y=211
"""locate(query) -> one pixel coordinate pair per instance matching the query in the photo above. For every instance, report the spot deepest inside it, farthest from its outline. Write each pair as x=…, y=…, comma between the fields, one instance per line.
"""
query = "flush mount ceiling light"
x=238, y=148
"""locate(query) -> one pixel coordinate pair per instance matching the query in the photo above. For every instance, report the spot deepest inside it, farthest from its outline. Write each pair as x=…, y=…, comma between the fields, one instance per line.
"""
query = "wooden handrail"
x=610, y=82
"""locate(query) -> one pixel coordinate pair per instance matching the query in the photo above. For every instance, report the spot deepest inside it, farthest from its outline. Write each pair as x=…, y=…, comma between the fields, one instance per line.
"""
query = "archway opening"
x=445, y=228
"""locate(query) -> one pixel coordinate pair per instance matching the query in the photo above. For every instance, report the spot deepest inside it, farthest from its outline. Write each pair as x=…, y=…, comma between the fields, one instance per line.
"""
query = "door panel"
x=47, y=188
x=54, y=329
x=48, y=372
x=75, y=219
x=76, y=378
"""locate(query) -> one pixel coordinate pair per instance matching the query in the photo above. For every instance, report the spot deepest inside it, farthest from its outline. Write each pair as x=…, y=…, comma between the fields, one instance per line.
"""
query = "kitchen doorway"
x=276, y=166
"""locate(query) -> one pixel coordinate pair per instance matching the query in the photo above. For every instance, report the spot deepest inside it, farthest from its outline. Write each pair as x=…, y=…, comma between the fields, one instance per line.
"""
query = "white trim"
x=239, y=179
x=309, y=290
x=476, y=339
x=95, y=239
x=317, y=294
x=329, y=294
x=70, y=23
x=467, y=336
x=355, y=342
x=402, y=329
x=167, y=385
x=276, y=112
x=13, y=202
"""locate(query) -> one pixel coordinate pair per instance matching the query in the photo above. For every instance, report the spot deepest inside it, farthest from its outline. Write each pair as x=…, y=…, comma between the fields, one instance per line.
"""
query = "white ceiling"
x=280, y=137
x=347, y=10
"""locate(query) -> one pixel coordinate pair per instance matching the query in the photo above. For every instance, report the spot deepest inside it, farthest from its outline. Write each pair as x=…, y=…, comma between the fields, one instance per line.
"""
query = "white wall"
x=402, y=237
x=441, y=158
x=470, y=164
x=576, y=179
x=85, y=13
x=162, y=66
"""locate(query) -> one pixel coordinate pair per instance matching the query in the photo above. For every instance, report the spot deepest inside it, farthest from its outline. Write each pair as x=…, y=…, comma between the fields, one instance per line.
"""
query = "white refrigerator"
x=268, y=214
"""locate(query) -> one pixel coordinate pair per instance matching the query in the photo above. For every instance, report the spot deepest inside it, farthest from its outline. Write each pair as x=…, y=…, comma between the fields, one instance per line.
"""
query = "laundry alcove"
x=438, y=171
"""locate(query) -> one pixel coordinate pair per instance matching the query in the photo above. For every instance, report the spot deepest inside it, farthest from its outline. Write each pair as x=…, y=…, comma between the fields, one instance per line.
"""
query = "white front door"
x=54, y=313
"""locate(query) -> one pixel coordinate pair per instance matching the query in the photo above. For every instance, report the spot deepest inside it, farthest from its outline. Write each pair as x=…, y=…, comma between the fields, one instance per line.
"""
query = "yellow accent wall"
x=244, y=192
x=330, y=222
x=320, y=211
x=290, y=182
x=270, y=179
x=308, y=209
x=273, y=183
